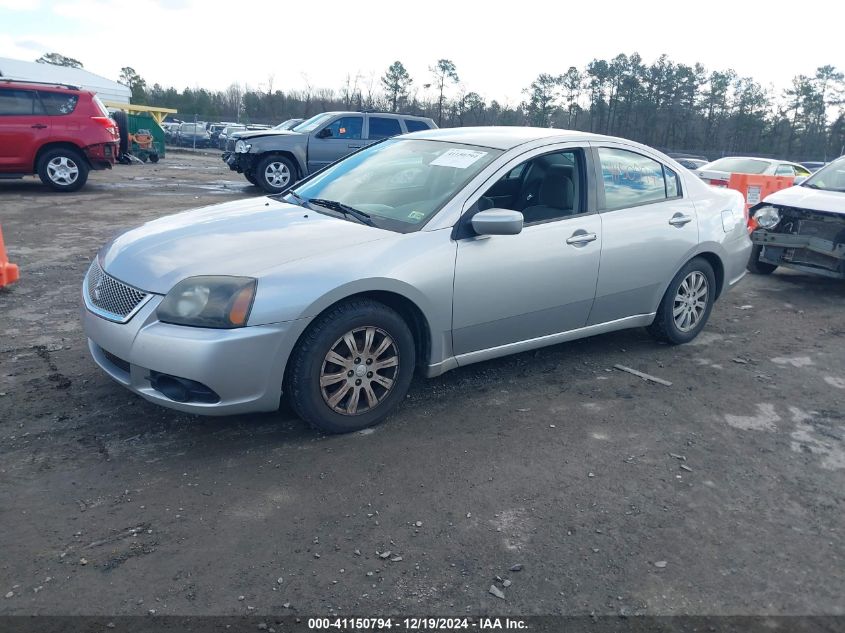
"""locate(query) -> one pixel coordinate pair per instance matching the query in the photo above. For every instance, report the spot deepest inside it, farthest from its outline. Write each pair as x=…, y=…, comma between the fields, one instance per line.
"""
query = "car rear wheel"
x=687, y=303
x=352, y=367
x=275, y=173
x=63, y=169
x=756, y=266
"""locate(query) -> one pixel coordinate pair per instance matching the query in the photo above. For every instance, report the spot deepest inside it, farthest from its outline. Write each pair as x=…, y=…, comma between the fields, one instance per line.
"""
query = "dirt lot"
x=722, y=494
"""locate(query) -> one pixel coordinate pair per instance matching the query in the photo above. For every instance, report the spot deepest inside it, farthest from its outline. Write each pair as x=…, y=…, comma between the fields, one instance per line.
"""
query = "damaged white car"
x=803, y=227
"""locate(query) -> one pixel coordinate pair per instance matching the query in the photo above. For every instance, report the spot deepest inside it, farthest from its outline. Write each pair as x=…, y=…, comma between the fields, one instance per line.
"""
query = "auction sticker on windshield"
x=460, y=158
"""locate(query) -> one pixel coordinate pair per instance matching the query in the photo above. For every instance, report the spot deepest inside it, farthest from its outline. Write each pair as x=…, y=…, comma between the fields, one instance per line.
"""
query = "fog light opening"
x=182, y=389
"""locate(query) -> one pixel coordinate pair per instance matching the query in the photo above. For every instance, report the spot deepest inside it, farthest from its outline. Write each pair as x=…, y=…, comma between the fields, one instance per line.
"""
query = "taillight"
x=718, y=182
x=106, y=122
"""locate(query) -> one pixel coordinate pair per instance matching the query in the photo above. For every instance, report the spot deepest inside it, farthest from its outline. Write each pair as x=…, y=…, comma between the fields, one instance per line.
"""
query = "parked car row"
x=276, y=159
x=205, y=134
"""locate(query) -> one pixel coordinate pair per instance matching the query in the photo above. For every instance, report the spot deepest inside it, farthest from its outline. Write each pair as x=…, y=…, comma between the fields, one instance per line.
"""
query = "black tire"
x=308, y=362
x=50, y=169
x=153, y=158
x=251, y=177
x=757, y=267
x=144, y=158
x=122, y=121
x=280, y=163
x=665, y=328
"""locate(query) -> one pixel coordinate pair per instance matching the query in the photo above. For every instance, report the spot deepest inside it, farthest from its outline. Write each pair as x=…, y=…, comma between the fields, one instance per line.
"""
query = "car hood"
x=807, y=198
x=256, y=133
x=240, y=238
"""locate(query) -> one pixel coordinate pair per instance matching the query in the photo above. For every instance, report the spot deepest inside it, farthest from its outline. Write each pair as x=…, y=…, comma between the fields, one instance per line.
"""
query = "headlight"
x=241, y=147
x=767, y=217
x=216, y=302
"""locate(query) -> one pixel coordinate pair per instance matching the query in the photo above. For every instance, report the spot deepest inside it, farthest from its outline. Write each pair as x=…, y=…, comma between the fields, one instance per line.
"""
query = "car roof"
x=506, y=137
x=40, y=85
x=377, y=113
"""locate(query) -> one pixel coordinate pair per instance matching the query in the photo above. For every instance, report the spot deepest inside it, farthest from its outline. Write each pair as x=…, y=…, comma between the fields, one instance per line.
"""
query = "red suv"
x=58, y=132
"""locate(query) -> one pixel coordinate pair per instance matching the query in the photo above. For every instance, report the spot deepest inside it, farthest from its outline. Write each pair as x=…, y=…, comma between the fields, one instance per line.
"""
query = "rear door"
x=649, y=228
x=341, y=136
x=24, y=127
x=381, y=127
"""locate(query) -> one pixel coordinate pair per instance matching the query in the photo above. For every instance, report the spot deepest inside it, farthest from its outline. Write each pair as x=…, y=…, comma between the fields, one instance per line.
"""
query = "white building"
x=107, y=89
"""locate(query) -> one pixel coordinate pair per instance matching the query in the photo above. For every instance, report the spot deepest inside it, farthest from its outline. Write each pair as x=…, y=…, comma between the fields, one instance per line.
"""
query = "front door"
x=511, y=288
x=335, y=140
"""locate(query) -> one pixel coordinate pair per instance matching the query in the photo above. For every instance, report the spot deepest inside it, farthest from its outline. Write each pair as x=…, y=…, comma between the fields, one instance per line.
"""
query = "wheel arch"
x=284, y=153
x=58, y=145
x=408, y=309
x=718, y=267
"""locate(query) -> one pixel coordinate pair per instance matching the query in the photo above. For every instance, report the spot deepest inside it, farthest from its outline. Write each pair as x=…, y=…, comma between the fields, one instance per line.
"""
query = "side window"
x=545, y=188
x=412, y=124
x=381, y=127
x=57, y=103
x=673, y=189
x=631, y=179
x=19, y=103
x=784, y=170
x=801, y=171
x=346, y=127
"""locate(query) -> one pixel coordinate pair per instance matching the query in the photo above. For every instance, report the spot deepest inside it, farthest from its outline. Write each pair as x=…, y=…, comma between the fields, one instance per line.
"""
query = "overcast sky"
x=497, y=47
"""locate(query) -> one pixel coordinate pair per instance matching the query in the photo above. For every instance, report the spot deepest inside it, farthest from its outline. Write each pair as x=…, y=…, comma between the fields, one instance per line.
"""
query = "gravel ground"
x=721, y=494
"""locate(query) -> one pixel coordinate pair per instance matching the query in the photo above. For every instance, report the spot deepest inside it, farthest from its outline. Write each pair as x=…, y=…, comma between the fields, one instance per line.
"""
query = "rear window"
x=19, y=103
x=382, y=127
x=738, y=165
x=416, y=126
x=58, y=103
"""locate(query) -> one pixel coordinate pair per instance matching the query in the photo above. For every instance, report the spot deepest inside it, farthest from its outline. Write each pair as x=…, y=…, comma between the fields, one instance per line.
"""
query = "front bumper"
x=801, y=252
x=244, y=366
x=238, y=162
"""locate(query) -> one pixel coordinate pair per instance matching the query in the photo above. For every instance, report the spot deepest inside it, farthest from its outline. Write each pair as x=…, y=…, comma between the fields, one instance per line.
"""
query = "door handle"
x=38, y=126
x=580, y=239
x=354, y=146
x=680, y=220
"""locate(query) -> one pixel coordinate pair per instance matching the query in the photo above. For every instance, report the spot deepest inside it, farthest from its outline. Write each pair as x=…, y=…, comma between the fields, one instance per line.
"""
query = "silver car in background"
x=424, y=252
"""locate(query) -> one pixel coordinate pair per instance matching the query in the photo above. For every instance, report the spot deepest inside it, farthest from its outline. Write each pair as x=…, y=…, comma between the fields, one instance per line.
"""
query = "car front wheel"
x=63, y=169
x=275, y=173
x=756, y=266
x=687, y=303
x=352, y=367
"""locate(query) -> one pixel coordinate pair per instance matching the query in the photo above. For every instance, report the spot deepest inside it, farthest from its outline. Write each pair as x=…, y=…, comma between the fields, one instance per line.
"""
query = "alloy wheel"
x=277, y=174
x=62, y=170
x=359, y=370
x=690, y=301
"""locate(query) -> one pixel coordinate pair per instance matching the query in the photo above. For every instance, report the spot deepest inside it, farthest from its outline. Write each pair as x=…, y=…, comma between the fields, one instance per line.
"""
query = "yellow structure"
x=157, y=113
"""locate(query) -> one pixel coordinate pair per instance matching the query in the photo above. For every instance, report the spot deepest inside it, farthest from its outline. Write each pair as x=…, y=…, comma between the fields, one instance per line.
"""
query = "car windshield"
x=399, y=183
x=309, y=125
x=738, y=165
x=828, y=178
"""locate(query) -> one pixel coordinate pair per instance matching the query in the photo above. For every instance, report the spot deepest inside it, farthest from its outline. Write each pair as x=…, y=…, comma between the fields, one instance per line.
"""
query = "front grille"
x=110, y=298
x=116, y=360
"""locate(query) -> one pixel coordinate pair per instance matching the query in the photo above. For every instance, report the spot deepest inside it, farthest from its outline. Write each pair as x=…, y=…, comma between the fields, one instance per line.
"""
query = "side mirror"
x=799, y=179
x=497, y=222
x=324, y=133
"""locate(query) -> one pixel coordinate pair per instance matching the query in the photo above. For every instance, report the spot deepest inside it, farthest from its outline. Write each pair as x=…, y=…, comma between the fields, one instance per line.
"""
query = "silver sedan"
x=424, y=252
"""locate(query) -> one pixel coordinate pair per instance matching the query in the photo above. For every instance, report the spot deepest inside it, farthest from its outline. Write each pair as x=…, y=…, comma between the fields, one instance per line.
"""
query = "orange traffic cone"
x=8, y=272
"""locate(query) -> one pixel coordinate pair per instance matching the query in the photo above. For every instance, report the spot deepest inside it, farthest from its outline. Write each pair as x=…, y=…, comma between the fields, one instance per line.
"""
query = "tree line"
x=670, y=105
